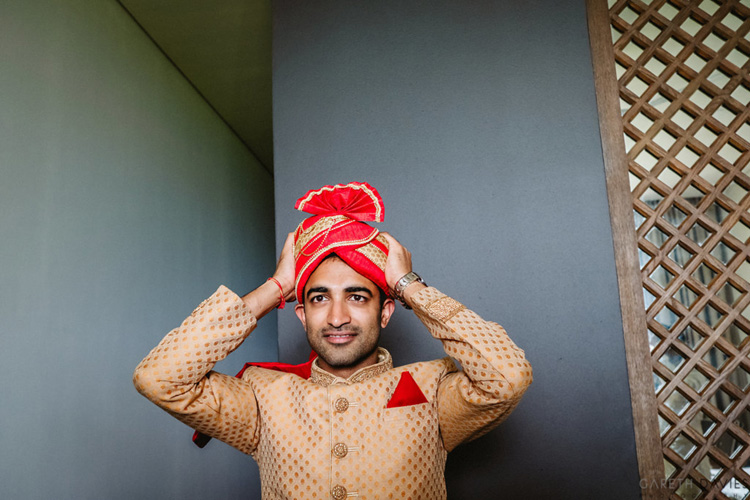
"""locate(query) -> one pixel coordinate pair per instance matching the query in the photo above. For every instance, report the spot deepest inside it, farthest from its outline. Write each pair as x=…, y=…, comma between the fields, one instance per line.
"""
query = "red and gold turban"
x=337, y=227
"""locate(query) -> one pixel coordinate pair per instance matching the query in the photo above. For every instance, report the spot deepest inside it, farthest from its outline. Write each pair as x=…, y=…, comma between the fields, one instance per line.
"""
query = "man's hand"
x=285, y=268
x=266, y=297
x=397, y=265
x=398, y=262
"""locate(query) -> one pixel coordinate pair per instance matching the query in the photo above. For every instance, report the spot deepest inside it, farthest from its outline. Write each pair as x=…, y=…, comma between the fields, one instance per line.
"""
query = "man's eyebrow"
x=350, y=289
x=317, y=289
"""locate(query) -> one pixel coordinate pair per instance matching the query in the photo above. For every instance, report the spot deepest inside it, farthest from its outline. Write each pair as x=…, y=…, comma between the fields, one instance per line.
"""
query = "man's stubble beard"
x=347, y=355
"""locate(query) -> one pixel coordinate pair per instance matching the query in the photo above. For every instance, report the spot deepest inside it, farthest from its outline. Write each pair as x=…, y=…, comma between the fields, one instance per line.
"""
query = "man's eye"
x=359, y=298
x=316, y=298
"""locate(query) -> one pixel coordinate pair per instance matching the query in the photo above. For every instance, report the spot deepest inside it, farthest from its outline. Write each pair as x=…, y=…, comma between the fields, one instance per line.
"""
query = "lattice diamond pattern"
x=684, y=73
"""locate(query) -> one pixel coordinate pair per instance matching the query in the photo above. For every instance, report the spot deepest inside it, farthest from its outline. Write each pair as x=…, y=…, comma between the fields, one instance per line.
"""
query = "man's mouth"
x=339, y=337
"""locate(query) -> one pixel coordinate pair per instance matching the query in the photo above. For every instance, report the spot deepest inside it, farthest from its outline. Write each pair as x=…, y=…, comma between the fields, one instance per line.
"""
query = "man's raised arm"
x=176, y=375
x=495, y=371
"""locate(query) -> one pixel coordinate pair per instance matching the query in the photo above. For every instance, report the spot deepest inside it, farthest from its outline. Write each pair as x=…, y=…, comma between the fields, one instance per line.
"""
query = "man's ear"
x=386, y=312
x=299, y=310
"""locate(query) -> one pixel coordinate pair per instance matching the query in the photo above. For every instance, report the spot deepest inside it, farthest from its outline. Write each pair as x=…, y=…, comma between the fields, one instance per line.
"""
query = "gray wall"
x=124, y=201
x=477, y=123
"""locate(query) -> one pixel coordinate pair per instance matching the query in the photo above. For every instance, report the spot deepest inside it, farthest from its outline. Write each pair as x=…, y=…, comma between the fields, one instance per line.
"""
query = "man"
x=347, y=424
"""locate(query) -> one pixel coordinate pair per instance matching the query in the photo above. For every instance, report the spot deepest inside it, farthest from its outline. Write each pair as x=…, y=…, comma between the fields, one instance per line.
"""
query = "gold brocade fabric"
x=321, y=377
x=333, y=438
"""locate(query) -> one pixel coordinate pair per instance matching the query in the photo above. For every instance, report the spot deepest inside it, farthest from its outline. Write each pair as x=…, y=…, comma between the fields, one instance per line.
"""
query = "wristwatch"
x=406, y=280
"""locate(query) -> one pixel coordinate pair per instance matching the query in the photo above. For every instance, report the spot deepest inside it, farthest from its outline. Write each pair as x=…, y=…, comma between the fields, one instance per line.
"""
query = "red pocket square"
x=407, y=393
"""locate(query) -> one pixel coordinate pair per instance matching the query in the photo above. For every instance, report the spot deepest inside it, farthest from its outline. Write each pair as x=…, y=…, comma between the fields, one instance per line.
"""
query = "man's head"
x=339, y=263
x=338, y=226
x=343, y=313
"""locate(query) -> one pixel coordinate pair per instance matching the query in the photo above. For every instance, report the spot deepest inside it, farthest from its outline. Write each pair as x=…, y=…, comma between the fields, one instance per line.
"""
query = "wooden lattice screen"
x=682, y=68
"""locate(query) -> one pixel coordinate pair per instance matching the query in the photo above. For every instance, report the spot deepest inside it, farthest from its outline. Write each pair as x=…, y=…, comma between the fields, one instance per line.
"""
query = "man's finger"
x=392, y=242
x=289, y=241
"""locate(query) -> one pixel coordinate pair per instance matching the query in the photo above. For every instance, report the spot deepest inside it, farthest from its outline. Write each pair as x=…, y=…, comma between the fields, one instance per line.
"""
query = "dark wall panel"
x=477, y=123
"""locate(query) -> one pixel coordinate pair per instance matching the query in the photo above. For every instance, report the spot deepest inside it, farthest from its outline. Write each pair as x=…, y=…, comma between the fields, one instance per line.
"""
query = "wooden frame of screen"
x=644, y=405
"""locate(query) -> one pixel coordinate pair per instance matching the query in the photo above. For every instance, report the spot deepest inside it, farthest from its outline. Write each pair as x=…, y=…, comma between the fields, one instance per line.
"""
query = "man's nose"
x=338, y=314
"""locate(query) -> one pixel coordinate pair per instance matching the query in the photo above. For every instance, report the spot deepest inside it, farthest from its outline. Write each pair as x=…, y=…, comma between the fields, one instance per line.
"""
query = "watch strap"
x=401, y=285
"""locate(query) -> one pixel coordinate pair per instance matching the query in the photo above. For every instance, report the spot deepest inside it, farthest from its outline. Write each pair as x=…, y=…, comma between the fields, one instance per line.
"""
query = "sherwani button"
x=340, y=450
x=338, y=492
x=341, y=405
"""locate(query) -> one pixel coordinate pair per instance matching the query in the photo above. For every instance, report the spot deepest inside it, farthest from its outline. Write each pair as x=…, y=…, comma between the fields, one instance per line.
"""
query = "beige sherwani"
x=327, y=437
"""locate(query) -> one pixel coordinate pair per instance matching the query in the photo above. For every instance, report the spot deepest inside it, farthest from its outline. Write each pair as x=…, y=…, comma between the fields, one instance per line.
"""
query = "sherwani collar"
x=321, y=377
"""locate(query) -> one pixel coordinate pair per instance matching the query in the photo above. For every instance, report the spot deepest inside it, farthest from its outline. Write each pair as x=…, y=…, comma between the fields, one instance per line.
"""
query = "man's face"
x=342, y=316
